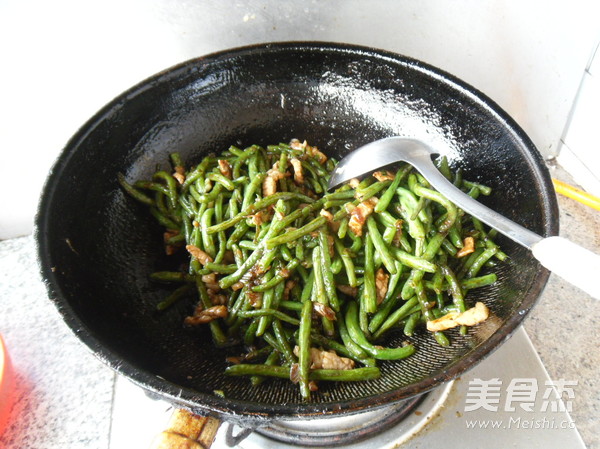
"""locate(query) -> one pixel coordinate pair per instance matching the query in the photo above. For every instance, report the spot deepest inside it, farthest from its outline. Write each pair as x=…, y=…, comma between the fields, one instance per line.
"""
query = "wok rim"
x=243, y=410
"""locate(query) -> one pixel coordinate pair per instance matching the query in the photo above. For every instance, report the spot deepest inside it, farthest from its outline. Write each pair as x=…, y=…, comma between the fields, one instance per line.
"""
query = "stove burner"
x=339, y=430
x=383, y=428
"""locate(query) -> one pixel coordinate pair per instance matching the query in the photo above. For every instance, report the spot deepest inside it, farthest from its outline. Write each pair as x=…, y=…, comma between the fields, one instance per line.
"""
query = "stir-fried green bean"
x=278, y=264
x=283, y=372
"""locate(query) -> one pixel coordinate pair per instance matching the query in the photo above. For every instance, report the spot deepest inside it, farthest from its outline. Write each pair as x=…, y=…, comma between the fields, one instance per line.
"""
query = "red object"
x=6, y=381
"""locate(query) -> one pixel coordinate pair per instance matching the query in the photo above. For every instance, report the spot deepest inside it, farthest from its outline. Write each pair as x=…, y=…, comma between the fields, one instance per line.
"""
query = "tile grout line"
x=112, y=408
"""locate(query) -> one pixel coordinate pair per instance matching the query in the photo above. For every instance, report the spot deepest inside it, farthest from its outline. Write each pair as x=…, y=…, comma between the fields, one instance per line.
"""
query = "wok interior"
x=98, y=246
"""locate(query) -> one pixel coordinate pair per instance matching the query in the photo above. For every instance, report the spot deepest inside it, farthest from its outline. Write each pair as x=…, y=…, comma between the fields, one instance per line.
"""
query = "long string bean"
x=315, y=283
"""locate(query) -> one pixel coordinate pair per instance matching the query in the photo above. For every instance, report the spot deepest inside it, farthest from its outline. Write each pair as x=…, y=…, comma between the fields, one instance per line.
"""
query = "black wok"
x=97, y=246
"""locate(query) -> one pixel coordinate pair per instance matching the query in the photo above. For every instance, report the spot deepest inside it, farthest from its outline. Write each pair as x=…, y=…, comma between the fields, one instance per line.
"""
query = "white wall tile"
x=580, y=153
x=65, y=59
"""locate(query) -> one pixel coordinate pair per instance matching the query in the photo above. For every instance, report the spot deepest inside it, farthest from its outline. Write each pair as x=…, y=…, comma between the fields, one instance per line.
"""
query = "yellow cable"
x=576, y=194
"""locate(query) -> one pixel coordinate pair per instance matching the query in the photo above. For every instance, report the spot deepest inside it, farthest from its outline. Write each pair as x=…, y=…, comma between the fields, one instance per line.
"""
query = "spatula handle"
x=571, y=262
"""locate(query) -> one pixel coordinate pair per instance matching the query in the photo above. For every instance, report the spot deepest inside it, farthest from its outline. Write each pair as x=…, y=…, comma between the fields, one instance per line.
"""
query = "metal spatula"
x=573, y=263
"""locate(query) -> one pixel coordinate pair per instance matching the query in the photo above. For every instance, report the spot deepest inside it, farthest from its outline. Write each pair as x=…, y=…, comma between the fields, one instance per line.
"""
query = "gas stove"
x=505, y=401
